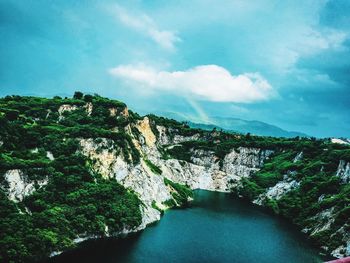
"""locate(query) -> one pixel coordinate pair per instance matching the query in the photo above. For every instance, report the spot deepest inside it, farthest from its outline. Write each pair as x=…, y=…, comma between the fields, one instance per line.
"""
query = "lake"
x=218, y=227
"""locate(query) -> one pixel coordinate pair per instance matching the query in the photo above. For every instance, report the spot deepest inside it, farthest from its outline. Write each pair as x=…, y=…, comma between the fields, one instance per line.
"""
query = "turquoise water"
x=216, y=228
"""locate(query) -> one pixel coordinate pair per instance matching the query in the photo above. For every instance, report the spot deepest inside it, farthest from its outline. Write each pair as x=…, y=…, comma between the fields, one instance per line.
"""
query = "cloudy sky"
x=282, y=62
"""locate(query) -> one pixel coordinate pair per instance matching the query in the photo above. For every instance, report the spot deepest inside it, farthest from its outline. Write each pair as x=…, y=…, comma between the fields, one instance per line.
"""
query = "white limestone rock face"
x=281, y=188
x=149, y=186
x=180, y=138
x=277, y=191
x=163, y=138
x=105, y=157
x=205, y=171
x=321, y=221
x=343, y=250
x=88, y=108
x=50, y=156
x=243, y=162
x=299, y=157
x=111, y=165
x=19, y=186
x=340, y=141
x=167, y=136
x=343, y=171
x=195, y=176
x=65, y=107
x=68, y=107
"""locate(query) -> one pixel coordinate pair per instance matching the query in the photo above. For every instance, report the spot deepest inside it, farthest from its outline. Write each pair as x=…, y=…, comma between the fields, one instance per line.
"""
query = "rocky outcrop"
x=66, y=107
x=320, y=222
x=340, y=141
x=17, y=185
x=88, y=108
x=277, y=191
x=323, y=221
x=343, y=250
x=343, y=171
x=206, y=172
x=145, y=129
x=203, y=172
x=113, y=112
x=163, y=138
x=299, y=157
x=110, y=163
x=50, y=156
x=125, y=112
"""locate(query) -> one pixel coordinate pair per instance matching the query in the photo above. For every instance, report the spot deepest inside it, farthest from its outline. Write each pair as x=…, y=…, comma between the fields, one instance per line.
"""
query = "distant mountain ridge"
x=237, y=125
x=254, y=127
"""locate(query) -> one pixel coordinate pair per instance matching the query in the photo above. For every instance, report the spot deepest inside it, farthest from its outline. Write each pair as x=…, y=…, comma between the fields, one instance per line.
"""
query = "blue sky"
x=283, y=62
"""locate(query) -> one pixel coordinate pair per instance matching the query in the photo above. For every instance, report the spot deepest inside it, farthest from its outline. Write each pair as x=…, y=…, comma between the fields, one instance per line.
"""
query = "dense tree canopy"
x=78, y=202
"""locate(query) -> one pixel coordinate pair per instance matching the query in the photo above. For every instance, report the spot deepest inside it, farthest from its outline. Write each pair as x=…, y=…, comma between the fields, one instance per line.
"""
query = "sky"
x=283, y=62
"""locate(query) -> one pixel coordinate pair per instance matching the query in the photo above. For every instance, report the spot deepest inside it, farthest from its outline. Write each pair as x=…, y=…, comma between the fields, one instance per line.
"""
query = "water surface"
x=217, y=228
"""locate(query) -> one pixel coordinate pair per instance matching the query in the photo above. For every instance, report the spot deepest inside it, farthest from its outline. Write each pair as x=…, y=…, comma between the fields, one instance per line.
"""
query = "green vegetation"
x=154, y=168
x=76, y=201
x=181, y=193
x=169, y=203
x=174, y=127
x=154, y=205
x=316, y=174
x=79, y=202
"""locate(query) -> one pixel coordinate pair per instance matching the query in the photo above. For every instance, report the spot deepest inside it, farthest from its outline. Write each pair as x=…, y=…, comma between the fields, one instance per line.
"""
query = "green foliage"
x=78, y=95
x=76, y=201
x=154, y=205
x=181, y=193
x=315, y=173
x=181, y=128
x=169, y=203
x=12, y=115
x=250, y=189
x=272, y=204
x=154, y=168
x=88, y=98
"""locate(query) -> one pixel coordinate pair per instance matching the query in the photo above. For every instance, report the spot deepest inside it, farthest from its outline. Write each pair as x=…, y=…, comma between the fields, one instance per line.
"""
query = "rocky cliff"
x=202, y=172
x=324, y=221
x=63, y=161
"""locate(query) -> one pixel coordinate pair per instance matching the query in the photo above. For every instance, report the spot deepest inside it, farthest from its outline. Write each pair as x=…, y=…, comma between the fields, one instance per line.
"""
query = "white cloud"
x=302, y=42
x=207, y=82
x=312, y=41
x=144, y=24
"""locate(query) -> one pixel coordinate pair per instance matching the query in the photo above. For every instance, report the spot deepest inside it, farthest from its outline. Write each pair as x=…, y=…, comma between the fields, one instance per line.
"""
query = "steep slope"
x=88, y=167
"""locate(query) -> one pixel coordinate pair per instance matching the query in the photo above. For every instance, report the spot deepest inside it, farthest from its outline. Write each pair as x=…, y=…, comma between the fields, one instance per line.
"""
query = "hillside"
x=87, y=167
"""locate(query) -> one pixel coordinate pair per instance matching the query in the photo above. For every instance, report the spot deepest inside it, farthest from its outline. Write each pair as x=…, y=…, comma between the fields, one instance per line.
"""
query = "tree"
x=12, y=115
x=88, y=98
x=78, y=95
